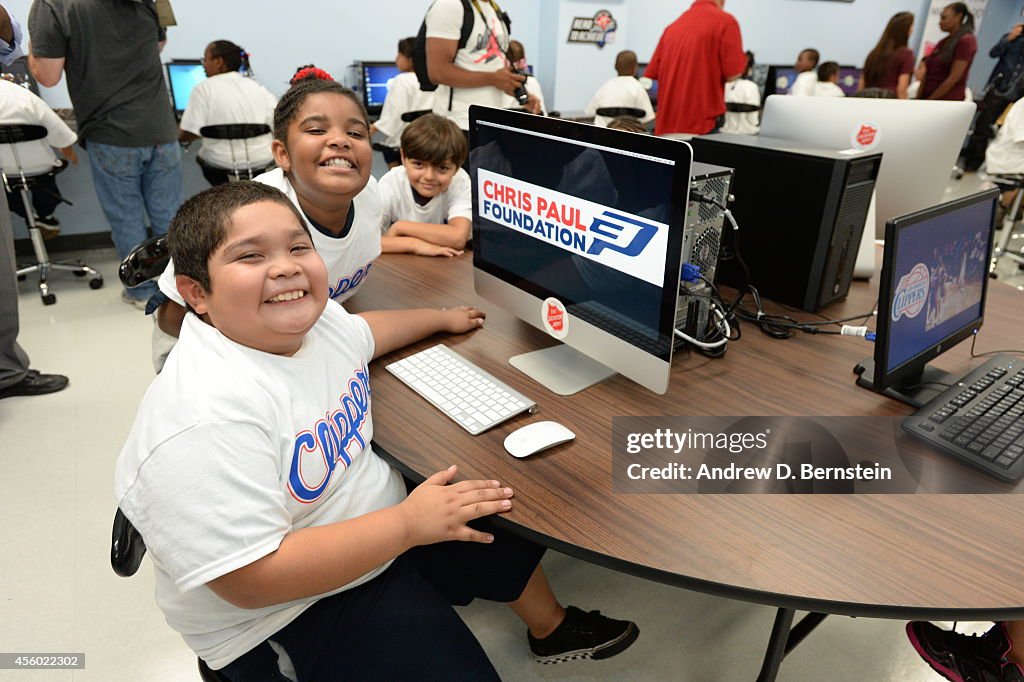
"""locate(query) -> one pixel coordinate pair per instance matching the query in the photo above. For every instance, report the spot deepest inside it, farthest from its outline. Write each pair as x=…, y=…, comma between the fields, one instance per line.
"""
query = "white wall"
x=333, y=34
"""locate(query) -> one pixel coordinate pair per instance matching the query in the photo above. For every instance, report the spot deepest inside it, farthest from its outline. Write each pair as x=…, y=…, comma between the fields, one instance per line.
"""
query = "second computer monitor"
x=919, y=140
x=376, y=82
x=578, y=230
x=182, y=76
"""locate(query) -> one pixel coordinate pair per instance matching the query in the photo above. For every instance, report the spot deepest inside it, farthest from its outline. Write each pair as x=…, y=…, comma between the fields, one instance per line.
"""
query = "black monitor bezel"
x=649, y=145
x=371, y=109
x=170, y=83
x=886, y=377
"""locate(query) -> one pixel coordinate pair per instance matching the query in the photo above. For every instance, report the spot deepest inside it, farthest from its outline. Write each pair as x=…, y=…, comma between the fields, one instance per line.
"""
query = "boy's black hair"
x=827, y=70
x=406, y=47
x=815, y=55
x=235, y=58
x=625, y=63
x=436, y=140
x=201, y=224
x=288, y=106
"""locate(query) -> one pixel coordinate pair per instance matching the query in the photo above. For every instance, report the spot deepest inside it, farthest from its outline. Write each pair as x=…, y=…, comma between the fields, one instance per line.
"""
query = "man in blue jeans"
x=110, y=52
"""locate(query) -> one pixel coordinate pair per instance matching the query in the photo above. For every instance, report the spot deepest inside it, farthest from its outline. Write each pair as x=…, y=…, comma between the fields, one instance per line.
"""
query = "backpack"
x=419, y=50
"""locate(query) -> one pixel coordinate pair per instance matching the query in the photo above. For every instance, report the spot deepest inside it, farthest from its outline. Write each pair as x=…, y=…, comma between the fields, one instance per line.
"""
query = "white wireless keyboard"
x=468, y=395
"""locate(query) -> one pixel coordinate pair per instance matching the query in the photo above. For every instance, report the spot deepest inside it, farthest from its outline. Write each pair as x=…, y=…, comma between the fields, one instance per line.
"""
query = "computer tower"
x=800, y=211
x=702, y=238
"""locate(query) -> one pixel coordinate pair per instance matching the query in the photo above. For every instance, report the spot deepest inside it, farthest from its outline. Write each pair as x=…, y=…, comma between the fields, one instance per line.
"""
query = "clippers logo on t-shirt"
x=348, y=284
x=622, y=241
x=911, y=293
x=333, y=440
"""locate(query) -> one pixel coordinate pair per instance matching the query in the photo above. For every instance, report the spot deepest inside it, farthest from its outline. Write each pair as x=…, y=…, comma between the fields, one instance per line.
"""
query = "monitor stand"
x=917, y=390
x=561, y=369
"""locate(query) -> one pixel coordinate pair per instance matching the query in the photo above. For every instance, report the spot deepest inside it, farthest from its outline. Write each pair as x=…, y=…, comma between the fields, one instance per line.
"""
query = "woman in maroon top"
x=948, y=64
x=890, y=64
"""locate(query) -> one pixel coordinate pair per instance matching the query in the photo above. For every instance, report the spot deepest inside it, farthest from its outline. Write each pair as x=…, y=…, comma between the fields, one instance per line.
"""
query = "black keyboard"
x=980, y=419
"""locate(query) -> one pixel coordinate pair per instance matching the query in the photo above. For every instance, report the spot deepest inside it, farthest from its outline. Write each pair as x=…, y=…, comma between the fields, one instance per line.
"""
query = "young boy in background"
x=622, y=91
x=427, y=201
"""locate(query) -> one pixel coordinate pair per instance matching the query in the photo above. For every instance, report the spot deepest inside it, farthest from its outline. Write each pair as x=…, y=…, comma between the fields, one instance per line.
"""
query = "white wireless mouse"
x=535, y=437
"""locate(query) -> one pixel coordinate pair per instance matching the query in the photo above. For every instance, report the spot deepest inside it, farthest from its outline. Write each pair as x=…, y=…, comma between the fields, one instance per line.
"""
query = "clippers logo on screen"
x=865, y=136
x=619, y=240
x=911, y=293
x=555, y=317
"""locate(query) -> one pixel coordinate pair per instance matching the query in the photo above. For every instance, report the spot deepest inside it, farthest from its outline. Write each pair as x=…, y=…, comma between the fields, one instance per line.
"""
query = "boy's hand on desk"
x=438, y=512
x=462, y=319
x=425, y=248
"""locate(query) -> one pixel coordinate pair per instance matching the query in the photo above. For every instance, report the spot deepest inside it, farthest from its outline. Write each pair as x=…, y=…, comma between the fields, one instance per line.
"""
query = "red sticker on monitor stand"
x=865, y=136
x=556, y=319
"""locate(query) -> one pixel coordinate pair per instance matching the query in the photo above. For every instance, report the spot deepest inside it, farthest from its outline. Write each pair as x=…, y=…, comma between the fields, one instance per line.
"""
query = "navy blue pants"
x=400, y=625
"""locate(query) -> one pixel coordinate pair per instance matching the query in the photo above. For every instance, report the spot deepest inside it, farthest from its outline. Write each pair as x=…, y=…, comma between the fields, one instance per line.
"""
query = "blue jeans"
x=132, y=182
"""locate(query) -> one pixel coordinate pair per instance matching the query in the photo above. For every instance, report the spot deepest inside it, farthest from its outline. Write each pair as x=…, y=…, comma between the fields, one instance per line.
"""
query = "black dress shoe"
x=35, y=383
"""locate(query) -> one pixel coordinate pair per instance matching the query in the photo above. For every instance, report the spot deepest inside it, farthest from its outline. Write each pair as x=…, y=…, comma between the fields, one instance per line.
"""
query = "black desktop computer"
x=800, y=211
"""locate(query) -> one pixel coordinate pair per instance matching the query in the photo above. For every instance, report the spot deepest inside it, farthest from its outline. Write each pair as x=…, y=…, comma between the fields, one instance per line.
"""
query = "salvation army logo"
x=556, y=319
x=911, y=293
x=865, y=136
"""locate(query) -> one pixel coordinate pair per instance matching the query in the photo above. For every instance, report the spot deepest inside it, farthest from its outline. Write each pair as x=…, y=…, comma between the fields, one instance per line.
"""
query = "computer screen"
x=17, y=72
x=182, y=76
x=849, y=79
x=376, y=80
x=933, y=286
x=919, y=140
x=780, y=79
x=578, y=230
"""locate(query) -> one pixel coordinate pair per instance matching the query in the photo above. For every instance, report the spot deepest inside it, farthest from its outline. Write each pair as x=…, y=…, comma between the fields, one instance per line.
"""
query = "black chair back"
x=410, y=116
x=21, y=132
x=613, y=112
x=234, y=131
x=741, y=108
x=126, y=546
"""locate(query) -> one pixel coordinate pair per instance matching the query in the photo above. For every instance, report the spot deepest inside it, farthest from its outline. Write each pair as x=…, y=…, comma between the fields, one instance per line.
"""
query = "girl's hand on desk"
x=462, y=319
x=438, y=512
x=425, y=248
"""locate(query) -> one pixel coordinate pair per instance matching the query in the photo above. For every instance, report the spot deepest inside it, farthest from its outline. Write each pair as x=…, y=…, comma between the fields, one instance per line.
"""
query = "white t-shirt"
x=404, y=95
x=398, y=203
x=827, y=89
x=621, y=91
x=19, y=105
x=532, y=86
x=742, y=91
x=804, y=84
x=231, y=98
x=348, y=259
x=484, y=51
x=263, y=445
x=1005, y=154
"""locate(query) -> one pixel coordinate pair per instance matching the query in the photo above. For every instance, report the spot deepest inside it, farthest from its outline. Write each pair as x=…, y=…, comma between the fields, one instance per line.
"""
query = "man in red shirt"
x=696, y=56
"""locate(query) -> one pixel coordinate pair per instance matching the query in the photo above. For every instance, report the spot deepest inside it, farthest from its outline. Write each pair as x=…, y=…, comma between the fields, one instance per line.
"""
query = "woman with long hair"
x=890, y=64
x=949, y=63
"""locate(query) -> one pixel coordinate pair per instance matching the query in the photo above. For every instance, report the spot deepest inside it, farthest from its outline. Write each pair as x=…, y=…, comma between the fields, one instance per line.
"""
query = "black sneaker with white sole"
x=584, y=635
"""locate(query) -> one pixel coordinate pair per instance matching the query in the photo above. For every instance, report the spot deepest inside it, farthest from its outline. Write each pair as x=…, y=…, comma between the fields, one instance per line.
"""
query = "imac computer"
x=931, y=295
x=919, y=140
x=579, y=231
x=375, y=78
x=182, y=76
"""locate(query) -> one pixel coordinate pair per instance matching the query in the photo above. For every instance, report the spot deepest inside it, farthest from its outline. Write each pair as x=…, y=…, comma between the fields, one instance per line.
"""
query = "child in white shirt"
x=228, y=95
x=828, y=81
x=427, y=203
x=21, y=106
x=806, y=77
x=622, y=91
x=404, y=95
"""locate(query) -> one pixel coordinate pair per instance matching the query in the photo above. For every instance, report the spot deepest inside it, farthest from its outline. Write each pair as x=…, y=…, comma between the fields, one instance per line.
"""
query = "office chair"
x=19, y=180
x=233, y=132
x=613, y=112
x=126, y=551
x=1008, y=183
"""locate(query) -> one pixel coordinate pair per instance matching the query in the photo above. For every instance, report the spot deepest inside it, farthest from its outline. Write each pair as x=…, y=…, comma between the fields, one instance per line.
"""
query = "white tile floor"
x=58, y=593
